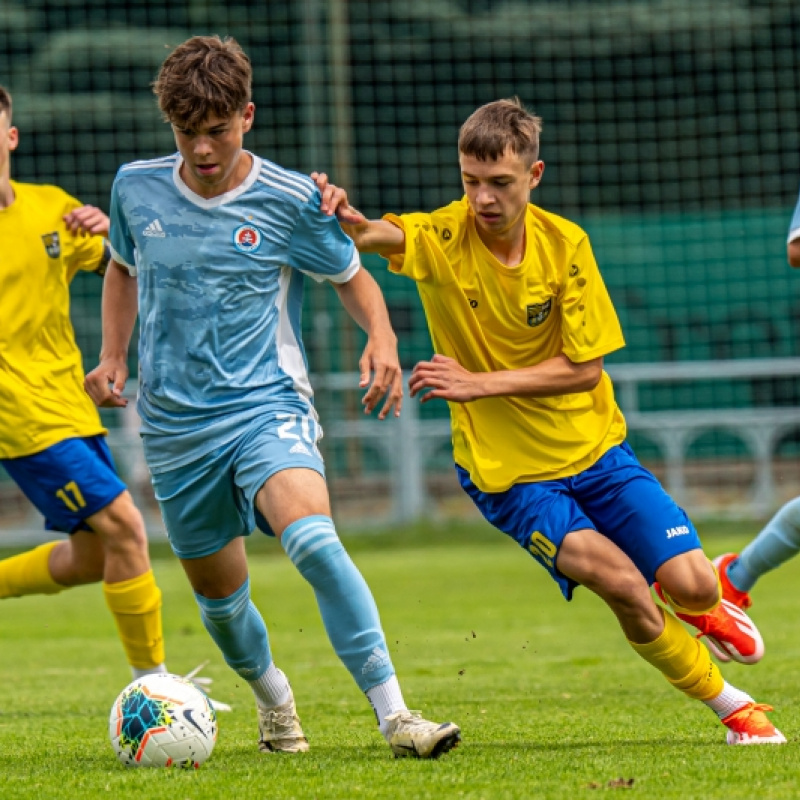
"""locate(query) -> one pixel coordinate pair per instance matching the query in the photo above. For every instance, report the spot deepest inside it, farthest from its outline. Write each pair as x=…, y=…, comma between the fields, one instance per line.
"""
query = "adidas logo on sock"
x=154, y=229
x=377, y=658
x=299, y=447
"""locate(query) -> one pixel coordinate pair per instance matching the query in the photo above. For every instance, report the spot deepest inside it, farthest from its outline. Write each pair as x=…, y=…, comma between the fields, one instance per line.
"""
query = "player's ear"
x=537, y=170
x=248, y=115
x=13, y=138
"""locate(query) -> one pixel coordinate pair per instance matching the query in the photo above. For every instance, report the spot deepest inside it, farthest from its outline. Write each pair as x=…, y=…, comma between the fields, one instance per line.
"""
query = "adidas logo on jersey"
x=377, y=658
x=299, y=447
x=154, y=229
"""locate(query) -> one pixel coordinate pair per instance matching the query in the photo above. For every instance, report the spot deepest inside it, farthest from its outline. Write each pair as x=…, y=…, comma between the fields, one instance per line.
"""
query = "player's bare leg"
x=656, y=635
x=115, y=550
x=121, y=530
x=77, y=561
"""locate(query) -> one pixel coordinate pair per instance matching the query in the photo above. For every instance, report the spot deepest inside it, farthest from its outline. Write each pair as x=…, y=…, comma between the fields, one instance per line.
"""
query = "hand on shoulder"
x=88, y=220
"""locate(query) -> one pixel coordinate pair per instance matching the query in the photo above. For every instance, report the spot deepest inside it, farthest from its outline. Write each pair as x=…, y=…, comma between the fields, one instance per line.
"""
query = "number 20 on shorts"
x=542, y=548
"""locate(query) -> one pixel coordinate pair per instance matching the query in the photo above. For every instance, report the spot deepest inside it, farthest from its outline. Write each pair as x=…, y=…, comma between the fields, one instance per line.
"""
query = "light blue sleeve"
x=794, y=227
x=319, y=247
x=122, y=244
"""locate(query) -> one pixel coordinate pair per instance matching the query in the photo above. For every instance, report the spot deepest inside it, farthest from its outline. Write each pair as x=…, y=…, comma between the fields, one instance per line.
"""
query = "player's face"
x=214, y=162
x=498, y=191
x=9, y=139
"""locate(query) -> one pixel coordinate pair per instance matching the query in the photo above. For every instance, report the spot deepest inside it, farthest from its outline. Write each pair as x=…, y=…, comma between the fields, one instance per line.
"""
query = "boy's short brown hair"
x=5, y=103
x=500, y=125
x=202, y=77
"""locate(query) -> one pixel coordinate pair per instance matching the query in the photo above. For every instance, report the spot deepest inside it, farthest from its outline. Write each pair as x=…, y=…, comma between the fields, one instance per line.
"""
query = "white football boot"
x=279, y=729
x=409, y=735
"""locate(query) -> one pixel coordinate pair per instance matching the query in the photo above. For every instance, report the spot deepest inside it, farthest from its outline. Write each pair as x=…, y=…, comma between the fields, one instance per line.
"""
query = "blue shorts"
x=616, y=496
x=211, y=501
x=68, y=482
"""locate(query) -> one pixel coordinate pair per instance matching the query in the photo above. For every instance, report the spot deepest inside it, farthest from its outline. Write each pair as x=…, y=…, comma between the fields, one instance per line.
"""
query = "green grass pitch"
x=551, y=700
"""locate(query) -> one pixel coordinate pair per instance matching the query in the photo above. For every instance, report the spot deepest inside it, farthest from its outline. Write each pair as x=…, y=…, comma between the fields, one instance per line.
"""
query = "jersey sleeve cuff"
x=121, y=261
x=340, y=277
x=598, y=352
x=348, y=273
x=398, y=261
x=793, y=234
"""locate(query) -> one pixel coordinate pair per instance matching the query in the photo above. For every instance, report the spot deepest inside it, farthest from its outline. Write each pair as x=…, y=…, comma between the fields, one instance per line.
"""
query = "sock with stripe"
x=345, y=602
x=238, y=629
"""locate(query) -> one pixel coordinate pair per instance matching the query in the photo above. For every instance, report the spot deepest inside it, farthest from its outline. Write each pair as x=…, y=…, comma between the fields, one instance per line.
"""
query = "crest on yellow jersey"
x=539, y=312
x=52, y=244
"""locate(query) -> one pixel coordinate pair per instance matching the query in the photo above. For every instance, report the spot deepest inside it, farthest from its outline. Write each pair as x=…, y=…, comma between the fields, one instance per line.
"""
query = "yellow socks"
x=135, y=603
x=136, y=606
x=684, y=661
x=28, y=573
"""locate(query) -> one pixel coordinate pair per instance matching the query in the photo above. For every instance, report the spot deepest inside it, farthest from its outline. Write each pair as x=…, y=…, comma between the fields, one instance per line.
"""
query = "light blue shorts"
x=211, y=501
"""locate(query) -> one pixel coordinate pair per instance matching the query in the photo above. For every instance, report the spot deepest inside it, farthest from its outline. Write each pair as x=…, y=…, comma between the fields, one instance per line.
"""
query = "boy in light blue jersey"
x=213, y=244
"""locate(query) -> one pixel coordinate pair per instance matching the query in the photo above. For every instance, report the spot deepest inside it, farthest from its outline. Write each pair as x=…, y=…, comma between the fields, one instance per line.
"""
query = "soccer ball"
x=162, y=721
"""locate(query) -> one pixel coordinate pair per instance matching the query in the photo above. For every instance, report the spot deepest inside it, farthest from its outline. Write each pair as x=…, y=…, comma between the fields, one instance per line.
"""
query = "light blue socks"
x=345, y=602
x=776, y=543
x=239, y=631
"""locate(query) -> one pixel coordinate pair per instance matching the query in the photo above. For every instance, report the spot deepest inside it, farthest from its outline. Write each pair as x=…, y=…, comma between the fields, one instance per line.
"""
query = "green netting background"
x=670, y=134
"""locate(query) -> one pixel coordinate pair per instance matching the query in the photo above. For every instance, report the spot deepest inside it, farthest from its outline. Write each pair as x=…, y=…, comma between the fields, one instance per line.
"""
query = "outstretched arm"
x=104, y=384
x=369, y=235
x=362, y=298
x=444, y=378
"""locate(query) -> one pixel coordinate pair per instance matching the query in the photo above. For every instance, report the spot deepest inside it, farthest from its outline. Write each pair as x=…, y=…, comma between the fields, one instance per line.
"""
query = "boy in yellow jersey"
x=52, y=442
x=520, y=321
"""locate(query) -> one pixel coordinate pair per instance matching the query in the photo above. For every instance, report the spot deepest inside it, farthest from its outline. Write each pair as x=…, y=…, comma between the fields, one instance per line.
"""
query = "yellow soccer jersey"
x=42, y=400
x=489, y=316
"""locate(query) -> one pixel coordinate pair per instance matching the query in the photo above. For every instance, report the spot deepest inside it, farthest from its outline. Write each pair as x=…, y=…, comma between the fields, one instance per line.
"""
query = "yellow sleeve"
x=410, y=263
x=80, y=252
x=590, y=327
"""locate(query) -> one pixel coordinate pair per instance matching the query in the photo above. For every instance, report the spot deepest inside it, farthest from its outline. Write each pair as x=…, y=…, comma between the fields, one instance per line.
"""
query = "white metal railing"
x=408, y=443
x=761, y=428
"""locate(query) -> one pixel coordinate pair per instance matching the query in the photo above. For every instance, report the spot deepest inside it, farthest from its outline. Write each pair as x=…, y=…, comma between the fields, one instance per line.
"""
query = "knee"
x=693, y=589
x=121, y=526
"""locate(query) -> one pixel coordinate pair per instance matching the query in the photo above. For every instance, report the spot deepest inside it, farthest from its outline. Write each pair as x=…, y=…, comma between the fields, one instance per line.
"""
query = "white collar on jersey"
x=219, y=200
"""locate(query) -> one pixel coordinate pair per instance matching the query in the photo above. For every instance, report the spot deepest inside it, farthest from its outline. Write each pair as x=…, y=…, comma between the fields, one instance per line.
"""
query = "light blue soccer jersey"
x=794, y=226
x=220, y=284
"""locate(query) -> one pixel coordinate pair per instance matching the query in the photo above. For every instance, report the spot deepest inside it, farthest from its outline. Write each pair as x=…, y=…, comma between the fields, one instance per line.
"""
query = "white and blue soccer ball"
x=162, y=721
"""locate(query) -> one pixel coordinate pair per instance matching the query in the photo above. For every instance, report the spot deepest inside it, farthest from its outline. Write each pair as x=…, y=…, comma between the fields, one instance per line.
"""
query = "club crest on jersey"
x=247, y=238
x=52, y=244
x=538, y=312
